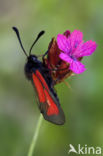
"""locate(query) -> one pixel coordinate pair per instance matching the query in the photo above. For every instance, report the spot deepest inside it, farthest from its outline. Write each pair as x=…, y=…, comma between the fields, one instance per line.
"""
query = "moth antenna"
x=19, y=39
x=39, y=35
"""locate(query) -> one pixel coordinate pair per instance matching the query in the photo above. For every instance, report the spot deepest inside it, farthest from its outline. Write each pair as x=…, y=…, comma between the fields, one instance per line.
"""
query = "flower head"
x=72, y=48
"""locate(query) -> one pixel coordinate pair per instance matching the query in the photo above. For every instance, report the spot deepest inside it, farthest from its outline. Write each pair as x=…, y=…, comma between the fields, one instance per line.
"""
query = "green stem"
x=34, y=140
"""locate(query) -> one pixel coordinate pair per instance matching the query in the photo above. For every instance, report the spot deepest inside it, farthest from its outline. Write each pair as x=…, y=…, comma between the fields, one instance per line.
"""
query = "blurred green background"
x=18, y=110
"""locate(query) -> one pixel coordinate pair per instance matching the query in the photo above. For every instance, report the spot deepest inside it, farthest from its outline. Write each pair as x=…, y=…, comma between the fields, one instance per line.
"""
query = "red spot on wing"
x=52, y=108
x=43, y=94
x=42, y=79
x=39, y=88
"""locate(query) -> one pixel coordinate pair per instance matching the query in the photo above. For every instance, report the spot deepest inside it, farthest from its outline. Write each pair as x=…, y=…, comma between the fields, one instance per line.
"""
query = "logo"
x=84, y=149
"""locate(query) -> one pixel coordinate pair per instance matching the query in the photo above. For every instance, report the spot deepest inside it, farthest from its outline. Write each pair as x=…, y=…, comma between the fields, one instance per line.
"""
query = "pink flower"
x=72, y=48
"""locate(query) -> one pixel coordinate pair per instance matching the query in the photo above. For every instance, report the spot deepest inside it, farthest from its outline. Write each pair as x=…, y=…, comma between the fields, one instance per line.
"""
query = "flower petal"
x=85, y=49
x=63, y=43
x=77, y=67
x=76, y=38
x=65, y=57
x=67, y=33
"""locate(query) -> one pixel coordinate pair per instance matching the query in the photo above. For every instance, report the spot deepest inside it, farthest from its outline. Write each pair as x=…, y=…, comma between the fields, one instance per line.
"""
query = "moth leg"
x=44, y=55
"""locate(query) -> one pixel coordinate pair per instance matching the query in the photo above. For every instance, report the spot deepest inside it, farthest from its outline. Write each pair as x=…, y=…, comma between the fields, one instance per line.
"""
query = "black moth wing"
x=59, y=118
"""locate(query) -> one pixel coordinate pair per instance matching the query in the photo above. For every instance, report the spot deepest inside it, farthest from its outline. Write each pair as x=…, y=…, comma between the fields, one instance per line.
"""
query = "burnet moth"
x=38, y=73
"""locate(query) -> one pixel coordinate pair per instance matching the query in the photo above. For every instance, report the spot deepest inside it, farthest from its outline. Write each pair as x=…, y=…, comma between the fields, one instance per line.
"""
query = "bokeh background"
x=83, y=108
